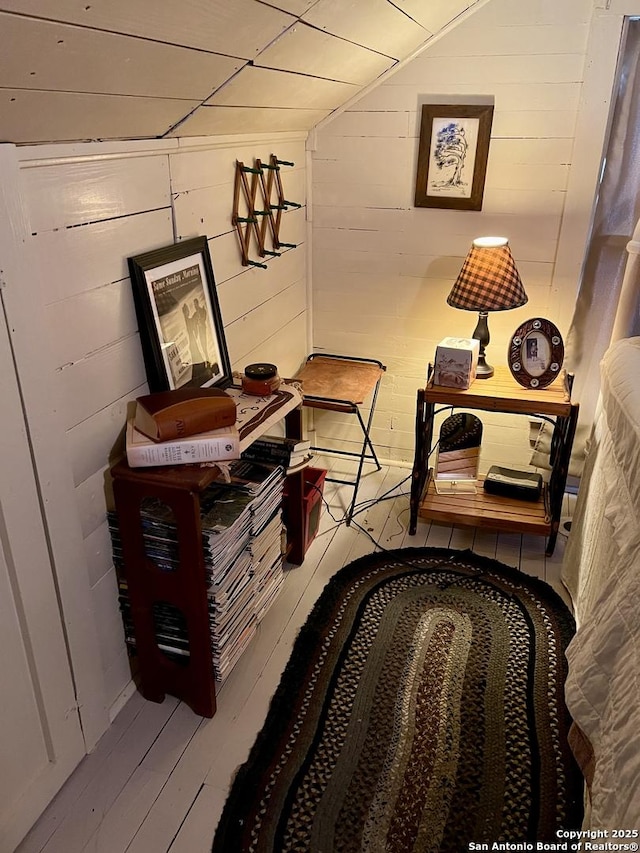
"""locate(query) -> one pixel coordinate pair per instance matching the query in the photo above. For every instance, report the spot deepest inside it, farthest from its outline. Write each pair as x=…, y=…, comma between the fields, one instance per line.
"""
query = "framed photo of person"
x=536, y=353
x=179, y=318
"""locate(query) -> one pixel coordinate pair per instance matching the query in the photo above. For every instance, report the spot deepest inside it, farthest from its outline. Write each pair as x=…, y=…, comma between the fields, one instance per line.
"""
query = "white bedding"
x=601, y=569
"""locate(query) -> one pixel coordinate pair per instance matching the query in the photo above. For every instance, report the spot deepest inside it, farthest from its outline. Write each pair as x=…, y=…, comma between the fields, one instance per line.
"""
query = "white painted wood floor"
x=158, y=779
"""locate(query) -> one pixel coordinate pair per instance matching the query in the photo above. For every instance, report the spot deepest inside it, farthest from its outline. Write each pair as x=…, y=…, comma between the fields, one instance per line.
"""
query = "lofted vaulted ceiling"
x=134, y=69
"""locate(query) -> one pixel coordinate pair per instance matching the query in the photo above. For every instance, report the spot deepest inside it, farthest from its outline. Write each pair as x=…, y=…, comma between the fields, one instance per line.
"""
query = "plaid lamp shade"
x=488, y=280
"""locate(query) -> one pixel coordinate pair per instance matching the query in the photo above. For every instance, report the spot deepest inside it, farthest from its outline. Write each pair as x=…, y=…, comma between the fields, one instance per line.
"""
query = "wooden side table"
x=500, y=393
x=180, y=487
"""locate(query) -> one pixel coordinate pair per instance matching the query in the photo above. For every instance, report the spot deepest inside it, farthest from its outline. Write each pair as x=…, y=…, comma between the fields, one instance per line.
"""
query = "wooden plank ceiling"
x=128, y=69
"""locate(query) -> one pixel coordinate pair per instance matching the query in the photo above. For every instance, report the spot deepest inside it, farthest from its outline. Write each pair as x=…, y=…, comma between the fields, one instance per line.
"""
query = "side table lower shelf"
x=485, y=510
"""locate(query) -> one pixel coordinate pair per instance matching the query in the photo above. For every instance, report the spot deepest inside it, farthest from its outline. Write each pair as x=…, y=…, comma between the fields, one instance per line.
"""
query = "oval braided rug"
x=422, y=709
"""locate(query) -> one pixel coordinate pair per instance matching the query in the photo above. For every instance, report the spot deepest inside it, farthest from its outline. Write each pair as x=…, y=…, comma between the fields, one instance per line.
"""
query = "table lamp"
x=488, y=281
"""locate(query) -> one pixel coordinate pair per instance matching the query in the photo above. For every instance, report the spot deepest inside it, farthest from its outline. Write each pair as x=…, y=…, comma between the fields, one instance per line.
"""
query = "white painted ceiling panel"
x=261, y=87
x=35, y=116
x=237, y=28
x=220, y=120
x=372, y=23
x=294, y=7
x=436, y=13
x=111, y=64
x=138, y=69
x=306, y=50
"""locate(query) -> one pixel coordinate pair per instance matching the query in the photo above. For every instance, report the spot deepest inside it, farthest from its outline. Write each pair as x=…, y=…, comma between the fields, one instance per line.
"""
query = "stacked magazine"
x=238, y=586
x=242, y=551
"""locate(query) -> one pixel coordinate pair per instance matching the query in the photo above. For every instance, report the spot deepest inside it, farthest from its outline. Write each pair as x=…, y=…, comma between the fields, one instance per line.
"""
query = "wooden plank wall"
x=382, y=269
x=89, y=212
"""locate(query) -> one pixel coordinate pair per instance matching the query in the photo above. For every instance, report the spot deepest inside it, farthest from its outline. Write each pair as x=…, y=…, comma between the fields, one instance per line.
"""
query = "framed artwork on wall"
x=179, y=318
x=452, y=156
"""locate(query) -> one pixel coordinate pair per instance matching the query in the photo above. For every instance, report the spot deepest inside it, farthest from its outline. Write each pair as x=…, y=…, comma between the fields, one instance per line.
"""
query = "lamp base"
x=481, y=332
x=483, y=370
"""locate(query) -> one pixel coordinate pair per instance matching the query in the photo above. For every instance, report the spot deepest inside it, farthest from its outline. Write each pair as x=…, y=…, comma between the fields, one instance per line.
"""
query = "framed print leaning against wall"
x=179, y=318
x=452, y=156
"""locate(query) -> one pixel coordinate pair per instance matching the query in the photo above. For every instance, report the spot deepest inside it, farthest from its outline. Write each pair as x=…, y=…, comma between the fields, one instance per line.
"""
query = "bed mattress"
x=601, y=569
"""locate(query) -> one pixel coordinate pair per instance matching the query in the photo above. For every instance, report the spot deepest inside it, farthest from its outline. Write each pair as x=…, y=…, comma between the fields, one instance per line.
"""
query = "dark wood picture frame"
x=452, y=156
x=179, y=317
x=536, y=353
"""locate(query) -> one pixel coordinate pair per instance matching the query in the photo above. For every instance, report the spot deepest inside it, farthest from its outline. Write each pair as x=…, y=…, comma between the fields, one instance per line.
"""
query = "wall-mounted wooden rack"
x=262, y=218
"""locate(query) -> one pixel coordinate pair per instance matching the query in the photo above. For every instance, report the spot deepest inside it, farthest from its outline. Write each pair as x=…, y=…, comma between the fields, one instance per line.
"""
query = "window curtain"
x=617, y=211
x=608, y=300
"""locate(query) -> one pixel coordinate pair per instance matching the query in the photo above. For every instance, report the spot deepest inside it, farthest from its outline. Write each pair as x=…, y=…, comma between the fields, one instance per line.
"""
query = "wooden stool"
x=341, y=383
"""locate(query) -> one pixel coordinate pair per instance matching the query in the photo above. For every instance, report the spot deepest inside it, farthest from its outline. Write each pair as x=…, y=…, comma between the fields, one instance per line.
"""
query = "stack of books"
x=291, y=453
x=242, y=535
x=182, y=427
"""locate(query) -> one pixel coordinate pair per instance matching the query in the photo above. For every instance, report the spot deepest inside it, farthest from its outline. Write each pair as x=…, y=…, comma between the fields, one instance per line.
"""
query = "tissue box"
x=456, y=362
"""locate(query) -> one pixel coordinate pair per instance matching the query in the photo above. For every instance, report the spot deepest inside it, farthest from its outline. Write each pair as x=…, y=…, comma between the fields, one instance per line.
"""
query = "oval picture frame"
x=536, y=353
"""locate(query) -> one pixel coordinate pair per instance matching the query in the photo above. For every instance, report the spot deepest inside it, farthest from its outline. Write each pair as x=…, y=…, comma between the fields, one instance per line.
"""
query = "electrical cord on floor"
x=441, y=565
x=362, y=529
x=379, y=547
x=363, y=506
x=367, y=504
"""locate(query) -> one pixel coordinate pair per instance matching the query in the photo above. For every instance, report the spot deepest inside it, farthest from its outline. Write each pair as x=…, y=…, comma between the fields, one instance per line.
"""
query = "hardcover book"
x=278, y=450
x=182, y=412
x=217, y=445
x=292, y=444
